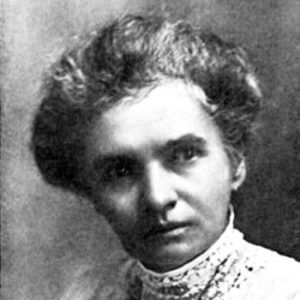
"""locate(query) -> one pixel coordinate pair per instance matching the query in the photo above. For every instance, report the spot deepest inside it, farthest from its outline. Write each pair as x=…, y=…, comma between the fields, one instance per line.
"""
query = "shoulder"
x=271, y=261
x=278, y=276
x=91, y=283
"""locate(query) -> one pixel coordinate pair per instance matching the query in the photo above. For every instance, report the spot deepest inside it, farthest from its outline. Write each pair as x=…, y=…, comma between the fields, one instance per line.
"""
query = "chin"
x=169, y=257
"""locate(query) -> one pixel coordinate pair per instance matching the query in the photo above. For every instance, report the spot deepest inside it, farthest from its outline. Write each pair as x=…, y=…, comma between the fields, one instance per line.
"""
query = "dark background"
x=48, y=235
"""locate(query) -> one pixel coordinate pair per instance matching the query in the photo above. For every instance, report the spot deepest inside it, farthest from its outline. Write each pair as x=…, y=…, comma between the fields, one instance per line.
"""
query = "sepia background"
x=48, y=235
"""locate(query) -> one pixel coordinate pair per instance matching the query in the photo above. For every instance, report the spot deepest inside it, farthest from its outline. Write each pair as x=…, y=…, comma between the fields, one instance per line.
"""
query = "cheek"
x=209, y=184
x=213, y=172
x=119, y=208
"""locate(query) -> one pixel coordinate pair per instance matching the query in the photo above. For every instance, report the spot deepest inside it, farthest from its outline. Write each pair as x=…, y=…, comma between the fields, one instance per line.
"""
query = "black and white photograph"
x=150, y=150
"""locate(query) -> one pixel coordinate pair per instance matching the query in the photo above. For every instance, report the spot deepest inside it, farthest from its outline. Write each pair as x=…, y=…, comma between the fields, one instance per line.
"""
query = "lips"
x=166, y=230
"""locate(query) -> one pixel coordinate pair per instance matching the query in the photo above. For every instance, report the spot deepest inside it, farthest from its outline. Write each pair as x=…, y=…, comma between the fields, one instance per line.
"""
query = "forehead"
x=166, y=112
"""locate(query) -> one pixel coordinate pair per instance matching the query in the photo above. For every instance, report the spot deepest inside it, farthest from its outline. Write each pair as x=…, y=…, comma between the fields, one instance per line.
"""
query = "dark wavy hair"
x=120, y=59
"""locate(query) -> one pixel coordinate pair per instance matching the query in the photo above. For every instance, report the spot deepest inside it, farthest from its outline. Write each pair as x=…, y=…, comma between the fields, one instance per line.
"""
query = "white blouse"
x=230, y=269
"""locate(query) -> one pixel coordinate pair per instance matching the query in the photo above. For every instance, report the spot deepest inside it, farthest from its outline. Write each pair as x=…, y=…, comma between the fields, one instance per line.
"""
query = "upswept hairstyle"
x=120, y=59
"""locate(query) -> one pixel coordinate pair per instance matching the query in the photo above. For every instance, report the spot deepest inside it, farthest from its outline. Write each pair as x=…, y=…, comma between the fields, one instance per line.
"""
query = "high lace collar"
x=202, y=276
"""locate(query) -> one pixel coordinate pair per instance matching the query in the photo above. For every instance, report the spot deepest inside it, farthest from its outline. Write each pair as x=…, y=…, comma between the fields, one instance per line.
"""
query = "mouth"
x=165, y=231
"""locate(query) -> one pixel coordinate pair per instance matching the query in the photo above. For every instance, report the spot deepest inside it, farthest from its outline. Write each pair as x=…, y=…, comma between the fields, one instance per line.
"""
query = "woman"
x=151, y=121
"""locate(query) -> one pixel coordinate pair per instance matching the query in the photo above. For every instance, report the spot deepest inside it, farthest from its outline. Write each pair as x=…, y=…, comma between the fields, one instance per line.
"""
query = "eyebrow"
x=105, y=159
x=185, y=140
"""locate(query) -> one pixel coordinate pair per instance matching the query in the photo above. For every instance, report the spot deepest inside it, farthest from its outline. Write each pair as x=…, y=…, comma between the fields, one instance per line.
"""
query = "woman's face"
x=161, y=176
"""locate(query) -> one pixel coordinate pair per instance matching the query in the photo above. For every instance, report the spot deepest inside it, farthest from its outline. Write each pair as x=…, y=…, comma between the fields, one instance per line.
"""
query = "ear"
x=239, y=175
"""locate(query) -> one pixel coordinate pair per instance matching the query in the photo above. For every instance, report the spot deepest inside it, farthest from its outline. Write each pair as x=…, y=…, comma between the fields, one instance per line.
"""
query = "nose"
x=158, y=188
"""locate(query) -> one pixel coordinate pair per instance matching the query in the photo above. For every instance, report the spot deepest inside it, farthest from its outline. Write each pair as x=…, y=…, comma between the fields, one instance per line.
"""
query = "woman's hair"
x=119, y=60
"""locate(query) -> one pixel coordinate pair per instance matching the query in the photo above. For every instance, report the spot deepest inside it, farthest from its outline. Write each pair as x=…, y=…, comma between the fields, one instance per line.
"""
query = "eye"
x=184, y=155
x=117, y=170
